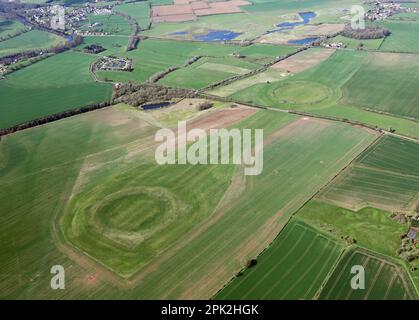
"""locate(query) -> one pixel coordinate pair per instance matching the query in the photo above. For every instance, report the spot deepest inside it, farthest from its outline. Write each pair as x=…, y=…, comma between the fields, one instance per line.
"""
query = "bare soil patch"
x=303, y=60
x=187, y=10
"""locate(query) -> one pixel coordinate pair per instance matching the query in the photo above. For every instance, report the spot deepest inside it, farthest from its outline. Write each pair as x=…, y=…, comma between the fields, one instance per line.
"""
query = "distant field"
x=386, y=82
x=104, y=149
x=317, y=87
x=34, y=39
x=293, y=267
x=384, y=280
x=367, y=44
x=113, y=45
x=386, y=177
x=406, y=16
x=10, y=27
x=153, y=56
x=402, y=126
x=111, y=24
x=270, y=75
x=371, y=228
x=56, y=84
x=207, y=71
x=258, y=18
x=403, y=37
x=139, y=11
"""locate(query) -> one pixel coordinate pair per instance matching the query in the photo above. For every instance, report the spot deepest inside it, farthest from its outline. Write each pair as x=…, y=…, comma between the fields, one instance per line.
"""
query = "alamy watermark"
x=358, y=18
x=219, y=146
x=58, y=280
x=358, y=280
x=58, y=17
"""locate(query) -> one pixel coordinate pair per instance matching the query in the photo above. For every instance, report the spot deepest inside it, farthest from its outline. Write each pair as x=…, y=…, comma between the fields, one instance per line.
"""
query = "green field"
x=101, y=154
x=139, y=11
x=111, y=24
x=394, y=84
x=384, y=280
x=349, y=43
x=9, y=28
x=31, y=40
x=369, y=227
x=207, y=71
x=341, y=86
x=315, y=88
x=386, y=177
x=53, y=85
x=258, y=18
x=153, y=56
x=293, y=267
x=270, y=75
x=403, y=37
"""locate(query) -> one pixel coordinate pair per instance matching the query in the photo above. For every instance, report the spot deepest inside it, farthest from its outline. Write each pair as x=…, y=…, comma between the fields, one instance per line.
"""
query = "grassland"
x=403, y=37
x=371, y=228
x=349, y=43
x=113, y=45
x=315, y=88
x=9, y=28
x=53, y=85
x=111, y=24
x=293, y=267
x=153, y=56
x=385, y=177
x=102, y=150
x=340, y=77
x=139, y=11
x=207, y=71
x=258, y=18
x=384, y=280
x=34, y=39
x=386, y=82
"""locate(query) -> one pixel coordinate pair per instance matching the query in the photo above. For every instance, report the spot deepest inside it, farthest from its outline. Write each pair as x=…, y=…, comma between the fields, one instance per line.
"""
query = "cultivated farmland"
x=139, y=11
x=30, y=40
x=155, y=55
x=383, y=279
x=82, y=186
x=293, y=267
x=53, y=85
x=386, y=177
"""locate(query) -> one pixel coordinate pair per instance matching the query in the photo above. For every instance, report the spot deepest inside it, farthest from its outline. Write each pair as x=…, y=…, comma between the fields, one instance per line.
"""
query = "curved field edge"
x=294, y=266
x=384, y=278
